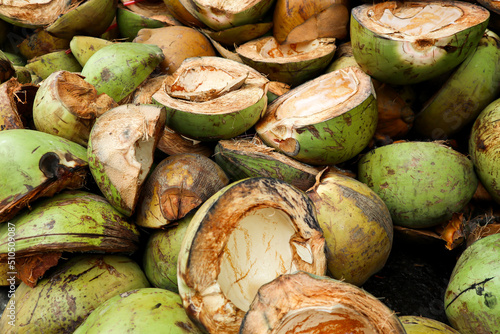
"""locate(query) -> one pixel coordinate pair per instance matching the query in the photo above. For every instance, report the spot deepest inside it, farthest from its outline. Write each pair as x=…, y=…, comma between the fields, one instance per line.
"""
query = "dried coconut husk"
x=173, y=143
x=16, y=103
x=34, y=13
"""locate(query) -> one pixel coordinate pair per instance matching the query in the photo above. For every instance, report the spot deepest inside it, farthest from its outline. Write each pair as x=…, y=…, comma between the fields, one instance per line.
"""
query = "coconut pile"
x=211, y=166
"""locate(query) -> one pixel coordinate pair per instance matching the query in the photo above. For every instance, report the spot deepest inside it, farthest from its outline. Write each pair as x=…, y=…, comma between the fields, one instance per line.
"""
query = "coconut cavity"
x=270, y=48
x=257, y=251
x=323, y=320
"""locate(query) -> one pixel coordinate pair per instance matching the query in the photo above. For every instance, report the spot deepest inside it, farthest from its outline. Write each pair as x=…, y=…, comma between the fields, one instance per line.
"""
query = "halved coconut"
x=289, y=63
x=33, y=13
x=178, y=10
x=41, y=42
x=244, y=236
x=409, y=42
x=327, y=120
x=212, y=98
x=121, y=147
x=241, y=34
x=46, y=64
x=83, y=47
x=421, y=325
x=222, y=14
x=16, y=104
x=305, y=303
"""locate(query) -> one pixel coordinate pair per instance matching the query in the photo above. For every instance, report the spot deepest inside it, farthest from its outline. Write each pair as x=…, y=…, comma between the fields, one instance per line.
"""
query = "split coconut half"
x=244, y=236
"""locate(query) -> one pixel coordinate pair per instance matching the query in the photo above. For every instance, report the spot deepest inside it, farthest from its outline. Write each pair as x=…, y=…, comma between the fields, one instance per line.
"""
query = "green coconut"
x=161, y=254
x=484, y=148
x=46, y=64
x=120, y=151
x=66, y=106
x=422, y=183
x=474, y=85
x=244, y=236
x=89, y=18
x=41, y=42
x=213, y=98
x=66, y=223
x=305, y=303
x=239, y=35
x=357, y=227
x=178, y=184
x=409, y=42
x=421, y=325
x=118, y=69
x=471, y=302
x=129, y=23
x=327, y=120
x=62, y=301
x=83, y=47
x=35, y=164
x=292, y=64
x=147, y=310
x=220, y=15
x=242, y=158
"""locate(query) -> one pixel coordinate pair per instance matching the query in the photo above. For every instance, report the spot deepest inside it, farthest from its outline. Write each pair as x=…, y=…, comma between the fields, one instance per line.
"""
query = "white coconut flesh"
x=268, y=49
x=34, y=13
x=257, y=251
x=228, y=6
x=324, y=320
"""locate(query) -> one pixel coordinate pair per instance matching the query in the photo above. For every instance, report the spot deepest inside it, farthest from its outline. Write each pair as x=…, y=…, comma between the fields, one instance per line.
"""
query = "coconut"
x=470, y=301
x=173, y=143
x=46, y=64
x=484, y=148
x=33, y=14
x=357, y=227
x=474, y=85
x=16, y=104
x=298, y=21
x=41, y=42
x=239, y=35
x=421, y=325
x=176, y=8
x=154, y=311
x=83, y=47
x=177, y=185
x=66, y=106
x=62, y=301
x=409, y=42
x=305, y=303
x=121, y=147
x=212, y=98
x=220, y=15
x=130, y=22
x=422, y=183
x=327, y=120
x=242, y=158
x=35, y=164
x=244, y=236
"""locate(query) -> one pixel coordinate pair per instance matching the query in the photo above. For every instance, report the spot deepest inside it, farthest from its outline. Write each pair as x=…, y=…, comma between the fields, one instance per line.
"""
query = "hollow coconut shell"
x=173, y=143
x=421, y=325
x=67, y=223
x=83, y=47
x=407, y=43
x=471, y=302
x=222, y=261
x=161, y=254
x=241, y=158
x=179, y=184
x=35, y=164
x=241, y=34
x=120, y=68
x=33, y=14
x=62, y=301
x=177, y=43
x=474, y=84
x=40, y=43
x=327, y=120
x=213, y=98
x=292, y=64
x=66, y=106
x=120, y=159
x=154, y=311
x=422, y=183
x=357, y=226
x=46, y=64
x=176, y=8
x=16, y=104
x=89, y=18
x=130, y=23
x=305, y=303
x=484, y=148
x=226, y=14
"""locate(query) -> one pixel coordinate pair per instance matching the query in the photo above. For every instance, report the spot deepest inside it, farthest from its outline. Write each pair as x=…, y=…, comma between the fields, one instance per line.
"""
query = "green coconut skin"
x=90, y=18
x=147, y=310
x=129, y=23
x=472, y=296
x=45, y=65
x=484, y=148
x=35, y=164
x=380, y=57
x=422, y=183
x=83, y=47
x=61, y=302
x=65, y=223
x=120, y=68
x=474, y=85
x=241, y=34
x=421, y=325
x=161, y=254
